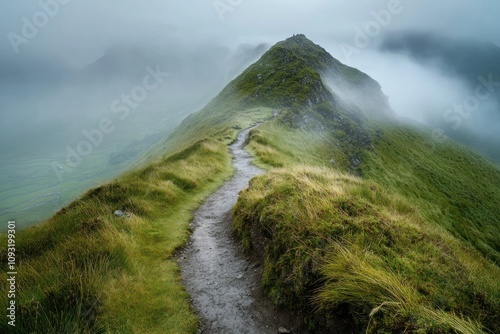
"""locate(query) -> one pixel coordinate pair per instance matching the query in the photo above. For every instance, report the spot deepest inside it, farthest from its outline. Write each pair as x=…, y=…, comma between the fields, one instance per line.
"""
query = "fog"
x=121, y=74
x=451, y=85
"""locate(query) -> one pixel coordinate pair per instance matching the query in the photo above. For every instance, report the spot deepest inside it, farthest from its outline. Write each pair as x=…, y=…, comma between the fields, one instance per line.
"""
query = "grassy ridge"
x=376, y=247
x=87, y=271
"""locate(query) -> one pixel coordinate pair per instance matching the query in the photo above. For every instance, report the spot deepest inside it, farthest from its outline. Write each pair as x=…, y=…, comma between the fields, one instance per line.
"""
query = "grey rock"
x=121, y=214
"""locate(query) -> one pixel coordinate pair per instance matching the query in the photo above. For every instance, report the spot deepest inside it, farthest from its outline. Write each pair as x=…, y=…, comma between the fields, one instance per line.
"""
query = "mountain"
x=295, y=75
x=362, y=223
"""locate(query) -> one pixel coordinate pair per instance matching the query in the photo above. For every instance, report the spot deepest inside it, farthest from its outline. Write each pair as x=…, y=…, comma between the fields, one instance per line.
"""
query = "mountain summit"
x=314, y=90
x=406, y=222
x=296, y=72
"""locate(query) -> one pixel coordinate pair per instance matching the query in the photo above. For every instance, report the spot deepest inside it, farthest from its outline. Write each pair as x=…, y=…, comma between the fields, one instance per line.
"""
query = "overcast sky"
x=81, y=30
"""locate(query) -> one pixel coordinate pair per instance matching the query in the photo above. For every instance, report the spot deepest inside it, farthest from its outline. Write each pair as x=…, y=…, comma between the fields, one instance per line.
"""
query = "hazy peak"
x=297, y=72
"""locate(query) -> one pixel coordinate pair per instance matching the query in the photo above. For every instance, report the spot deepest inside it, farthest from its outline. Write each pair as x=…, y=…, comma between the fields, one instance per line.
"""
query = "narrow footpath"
x=223, y=282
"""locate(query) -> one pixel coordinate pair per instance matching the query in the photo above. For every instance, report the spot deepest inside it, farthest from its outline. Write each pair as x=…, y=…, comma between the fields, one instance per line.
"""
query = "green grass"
x=275, y=144
x=87, y=271
x=453, y=187
x=410, y=245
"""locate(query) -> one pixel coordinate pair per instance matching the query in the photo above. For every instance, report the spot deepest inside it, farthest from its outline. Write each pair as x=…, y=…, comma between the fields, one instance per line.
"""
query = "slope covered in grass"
x=421, y=218
x=414, y=239
x=88, y=271
x=408, y=244
x=452, y=186
x=334, y=242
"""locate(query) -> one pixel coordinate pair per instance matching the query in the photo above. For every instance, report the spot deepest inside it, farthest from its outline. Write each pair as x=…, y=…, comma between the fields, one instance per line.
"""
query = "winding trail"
x=223, y=282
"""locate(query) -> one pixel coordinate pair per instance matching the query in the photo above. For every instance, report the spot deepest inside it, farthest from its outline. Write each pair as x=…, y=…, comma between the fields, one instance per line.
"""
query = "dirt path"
x=222, y=281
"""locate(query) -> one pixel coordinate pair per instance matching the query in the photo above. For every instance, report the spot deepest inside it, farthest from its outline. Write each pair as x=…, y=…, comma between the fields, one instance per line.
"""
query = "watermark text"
x=364, y=36
x=456, y=114
x=222, y=7
x=122, y=107
x=11, y=273
x=31, y=27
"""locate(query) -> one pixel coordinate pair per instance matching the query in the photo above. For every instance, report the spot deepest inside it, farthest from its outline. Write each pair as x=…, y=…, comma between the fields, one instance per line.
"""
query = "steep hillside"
x=403, y=246
x=86, y=270
x=362, y=223
x=411, y=243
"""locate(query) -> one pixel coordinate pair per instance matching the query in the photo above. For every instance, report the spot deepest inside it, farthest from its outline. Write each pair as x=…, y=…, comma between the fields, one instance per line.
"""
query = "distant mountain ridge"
x=186, y=65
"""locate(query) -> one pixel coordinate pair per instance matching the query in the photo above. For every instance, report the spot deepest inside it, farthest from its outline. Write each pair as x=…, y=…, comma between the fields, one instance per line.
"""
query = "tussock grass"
x=330, y=241
x=357, y=277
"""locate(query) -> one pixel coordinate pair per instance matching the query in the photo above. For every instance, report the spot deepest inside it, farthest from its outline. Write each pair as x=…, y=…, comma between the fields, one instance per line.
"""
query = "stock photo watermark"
x=372, y=29
x=122, y=107
x=455, y=115
x=31, y=26
x=222, y=7
x=11, y=273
